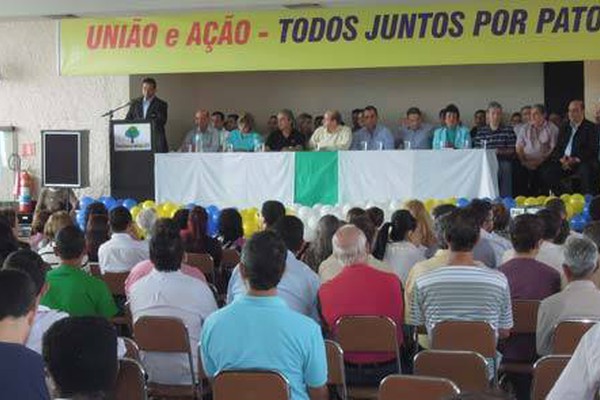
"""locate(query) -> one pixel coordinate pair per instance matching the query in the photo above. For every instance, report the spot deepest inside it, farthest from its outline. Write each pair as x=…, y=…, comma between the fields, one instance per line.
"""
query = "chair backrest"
x=336, y=374
x=230, y=259
x=475, y=336
x=131, y=381
x=250, y=385
x=164, y=334
x=394, y=387
x=204, y=262
x=525, y=316
x=131, y=349
x=567, y=335
x=467, y=369
x=115, y=282
x=95, y=270
x=545, y=374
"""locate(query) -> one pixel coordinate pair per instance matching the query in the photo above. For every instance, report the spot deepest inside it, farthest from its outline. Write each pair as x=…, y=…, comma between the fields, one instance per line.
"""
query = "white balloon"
x=313, y=222
x=304, y=213
x=309, y=235
x=345, y=209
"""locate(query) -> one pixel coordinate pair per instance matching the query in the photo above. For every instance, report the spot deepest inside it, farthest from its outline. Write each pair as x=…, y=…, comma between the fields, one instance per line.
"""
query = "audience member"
x=286, y=137
x=423, y=234
x=203, y=137
x=70, y=288
x=231, y=122
x=415, y=134
x=592, y=232
x=272, y=211
x=271, y=124
x=528, y=279
x=452, y=135
x=21, y=369
x=163, y=227
x=462, y=290
x=357, y=119
x=332, y=266
x=122, y=252
x=181, y=218
x=9, y=215
x=501, y=138
x=8, y=241
x=558, y=206
x=575, y=154
x=488, y=240
x=479, y=121
x=167, y=292
x=332, y=135
x=501, y=220
x=526, y=114
x=97, y=232
x=535, y=142
x=319, y=121
x=354, y=212
x=298, y=285
x=377, y=216
x=516, y=119
x=394, y=247
x=32, y=265
x=81, y=357
x=373, y=135
x=581, y=378
x=348, y=295
x=305, y=125
x=321, y=248
x=196, y=239
x=579, y=299
x=231, y=229
x=56, y=222
x=36, y=241
x=218, y=122
x=245, y=137
x=258, y=331
x=146, y=219
x=442, y=118
x=96, y=208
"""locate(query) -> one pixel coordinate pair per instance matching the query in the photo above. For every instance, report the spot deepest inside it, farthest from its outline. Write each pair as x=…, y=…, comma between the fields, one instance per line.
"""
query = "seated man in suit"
x=575, y=154
x=151, y=108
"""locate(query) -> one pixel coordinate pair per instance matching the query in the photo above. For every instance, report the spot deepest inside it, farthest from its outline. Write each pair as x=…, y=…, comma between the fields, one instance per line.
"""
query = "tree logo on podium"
x=132, y=133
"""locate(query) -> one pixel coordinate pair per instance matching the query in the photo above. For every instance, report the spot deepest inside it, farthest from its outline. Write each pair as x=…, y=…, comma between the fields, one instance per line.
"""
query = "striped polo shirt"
x=462, y=293
x=502, y=138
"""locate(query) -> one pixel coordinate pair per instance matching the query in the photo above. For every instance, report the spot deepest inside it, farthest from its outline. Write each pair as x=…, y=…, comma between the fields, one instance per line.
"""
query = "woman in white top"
x=394, y=247
x=332, y=135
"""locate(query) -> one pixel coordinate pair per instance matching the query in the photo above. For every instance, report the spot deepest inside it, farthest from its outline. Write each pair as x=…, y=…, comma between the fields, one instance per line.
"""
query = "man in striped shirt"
x=462, y=291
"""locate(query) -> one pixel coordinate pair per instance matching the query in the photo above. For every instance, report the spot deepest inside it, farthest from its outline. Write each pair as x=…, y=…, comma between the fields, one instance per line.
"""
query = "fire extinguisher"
x=25, y=190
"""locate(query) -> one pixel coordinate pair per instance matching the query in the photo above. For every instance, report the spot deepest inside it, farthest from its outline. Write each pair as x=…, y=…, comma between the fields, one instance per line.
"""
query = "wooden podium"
x=132, y=148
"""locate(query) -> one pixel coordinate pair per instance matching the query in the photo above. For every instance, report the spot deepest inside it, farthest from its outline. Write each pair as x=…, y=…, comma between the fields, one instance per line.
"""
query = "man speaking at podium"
x=149, y=107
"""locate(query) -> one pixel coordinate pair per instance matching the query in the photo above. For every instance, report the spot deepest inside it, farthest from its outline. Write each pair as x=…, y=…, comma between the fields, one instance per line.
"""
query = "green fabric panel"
x=316, y=179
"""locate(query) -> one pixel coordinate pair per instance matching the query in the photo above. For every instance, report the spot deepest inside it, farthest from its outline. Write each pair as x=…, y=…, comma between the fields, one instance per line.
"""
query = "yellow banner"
x=481, y=32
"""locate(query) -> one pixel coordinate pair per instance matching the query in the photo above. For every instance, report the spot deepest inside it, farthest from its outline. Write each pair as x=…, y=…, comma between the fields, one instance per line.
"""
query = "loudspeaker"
x=65, y=159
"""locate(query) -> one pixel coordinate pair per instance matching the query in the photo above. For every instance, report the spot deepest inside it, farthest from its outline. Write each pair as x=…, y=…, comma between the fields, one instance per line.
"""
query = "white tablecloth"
x=248, y=179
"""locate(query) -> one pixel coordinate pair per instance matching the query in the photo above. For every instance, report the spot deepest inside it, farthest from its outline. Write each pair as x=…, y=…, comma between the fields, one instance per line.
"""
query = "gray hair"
x=146, y=220
x=349, y=252
x=494, y=105
x=440, y=226
x=581, y=256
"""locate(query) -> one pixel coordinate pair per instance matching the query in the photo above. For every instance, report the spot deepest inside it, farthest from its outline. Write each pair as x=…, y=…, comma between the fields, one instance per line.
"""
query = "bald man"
x=575, y=155
x=204, y=138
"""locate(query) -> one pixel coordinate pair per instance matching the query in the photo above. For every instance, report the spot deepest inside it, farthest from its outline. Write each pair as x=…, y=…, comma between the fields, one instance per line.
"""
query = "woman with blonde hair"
x=55, y=223
x=423, y=235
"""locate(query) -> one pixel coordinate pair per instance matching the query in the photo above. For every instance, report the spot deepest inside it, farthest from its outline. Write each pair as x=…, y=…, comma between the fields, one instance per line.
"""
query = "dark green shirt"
x=73, y=291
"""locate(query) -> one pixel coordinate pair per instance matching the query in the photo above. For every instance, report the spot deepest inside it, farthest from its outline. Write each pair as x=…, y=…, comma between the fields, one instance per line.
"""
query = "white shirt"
x=581, y=378
x=298, y=287
x=322, y=139
x=402, y=256
x=121, y=253
x=172, y=294
x=499, y=244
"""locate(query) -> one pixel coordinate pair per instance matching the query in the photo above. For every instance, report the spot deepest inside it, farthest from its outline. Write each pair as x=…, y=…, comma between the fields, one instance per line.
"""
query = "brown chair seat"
x=467, y=369
x=567, y=335
x=396, y=387
x=524, y=323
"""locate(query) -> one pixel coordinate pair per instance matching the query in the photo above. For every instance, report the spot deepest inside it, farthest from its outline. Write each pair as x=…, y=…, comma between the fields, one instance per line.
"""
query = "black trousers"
x=369, y=374
x=528, y=182
x=560, y=181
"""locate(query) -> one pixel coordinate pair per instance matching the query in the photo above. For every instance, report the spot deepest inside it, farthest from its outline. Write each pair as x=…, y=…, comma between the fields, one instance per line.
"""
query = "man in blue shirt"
x=259, y=331
x=372, y=136
x=21, y=369
x=453, y=135
x=414, y=134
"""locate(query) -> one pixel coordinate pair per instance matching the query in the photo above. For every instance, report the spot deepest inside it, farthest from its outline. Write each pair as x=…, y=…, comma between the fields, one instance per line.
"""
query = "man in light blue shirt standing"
x=259, y=331
x=453, y=135
x=414, y=134
x=372, y=136
x=203, y=138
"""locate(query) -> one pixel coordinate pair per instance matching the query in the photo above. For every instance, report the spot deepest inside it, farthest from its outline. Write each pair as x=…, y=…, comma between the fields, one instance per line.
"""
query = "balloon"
x=588, y=198
x=577, y=202
x=430, y=204
x=462, y=202
x=290, y=211
x=566, y=198
x=162, y=210
x=309, y=235
x=578, y=197
x=135, y=211
x=313, y=222
x=509, y=203
x=520, y=200
x=578, y=223
x=129, y=203
x=85, y=202
x=541, y=200
x=148, y=204
x=304, y=213
x=570, y=211
x=530, y=201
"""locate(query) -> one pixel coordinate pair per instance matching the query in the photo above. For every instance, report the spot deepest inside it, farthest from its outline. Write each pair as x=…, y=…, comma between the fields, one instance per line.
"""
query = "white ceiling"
x=38, y=8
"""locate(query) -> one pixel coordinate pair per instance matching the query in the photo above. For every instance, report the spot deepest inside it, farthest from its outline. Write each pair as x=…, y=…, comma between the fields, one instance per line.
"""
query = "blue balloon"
x=588, y=198
x=110, y=203
x=509, y=202
x=462, y=202
x=129, y=203
x=578, y=223
x=102, y=199
x=85, y=202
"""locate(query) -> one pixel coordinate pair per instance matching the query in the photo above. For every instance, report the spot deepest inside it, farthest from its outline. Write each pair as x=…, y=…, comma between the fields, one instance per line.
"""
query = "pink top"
x=145, y=267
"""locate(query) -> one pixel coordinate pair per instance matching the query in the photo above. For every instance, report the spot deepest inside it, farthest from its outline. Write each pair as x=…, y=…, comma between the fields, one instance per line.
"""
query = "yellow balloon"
x=570, y=211
x=549, y=198
x=520, y=200
x=289, y=211
x=566, y=198
x=135, y=211
x=541, y=200
x=579, y=197
x=530, y=201
x=430, y=204
x=577, y=204
x=148, y=204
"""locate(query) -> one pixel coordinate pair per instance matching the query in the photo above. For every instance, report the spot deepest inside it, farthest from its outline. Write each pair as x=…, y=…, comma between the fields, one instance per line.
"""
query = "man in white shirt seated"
x=491, y=247
x=167, y=292
x=122, y=252
x=299, y=284
x=333, y=135
x=580, y=299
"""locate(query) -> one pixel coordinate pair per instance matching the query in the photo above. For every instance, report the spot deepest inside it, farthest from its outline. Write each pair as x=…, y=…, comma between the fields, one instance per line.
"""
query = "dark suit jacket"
x=585, y=142
x=157, y=113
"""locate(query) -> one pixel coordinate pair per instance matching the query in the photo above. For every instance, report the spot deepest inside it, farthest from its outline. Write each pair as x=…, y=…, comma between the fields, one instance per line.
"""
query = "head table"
x=345, y=177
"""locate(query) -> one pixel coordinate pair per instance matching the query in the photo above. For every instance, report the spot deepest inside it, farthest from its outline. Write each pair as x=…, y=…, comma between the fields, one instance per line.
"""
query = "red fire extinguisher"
x=25, y=191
